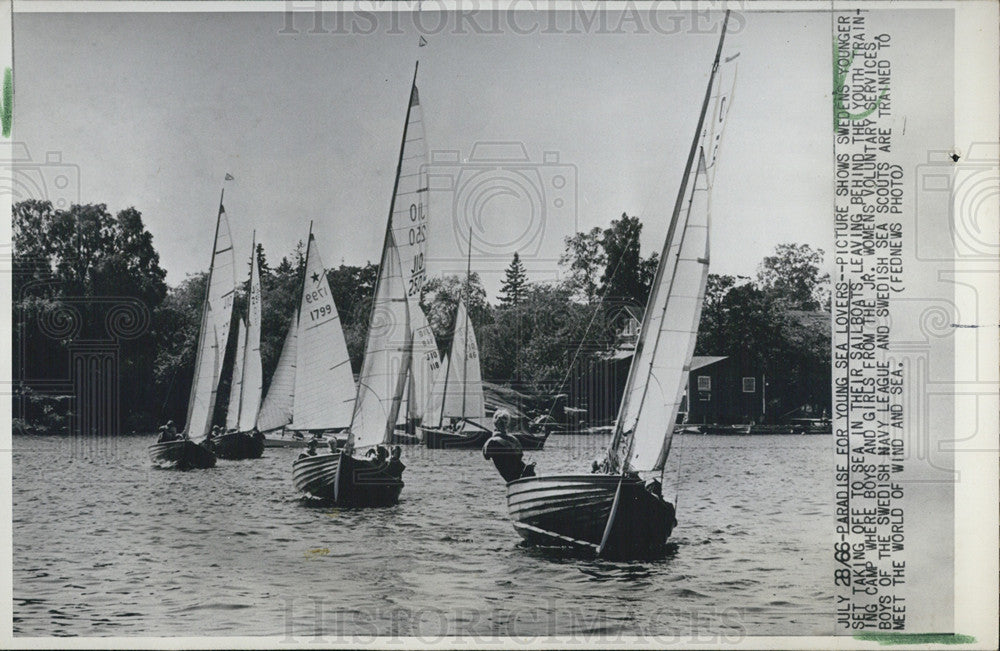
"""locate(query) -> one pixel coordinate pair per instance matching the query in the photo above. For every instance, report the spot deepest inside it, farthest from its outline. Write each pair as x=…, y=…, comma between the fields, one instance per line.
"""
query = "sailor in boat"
x=505, y=450
x=164, y=435
x=395, y=467
x=310, y=449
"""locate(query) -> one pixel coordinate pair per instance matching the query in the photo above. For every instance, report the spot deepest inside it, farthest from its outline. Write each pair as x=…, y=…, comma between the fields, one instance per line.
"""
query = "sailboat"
x=613, y=512
x=312, y=390
x=424, y=366
x=340, y=476
x=213, y=336
x=460, y=397
x=242, y=439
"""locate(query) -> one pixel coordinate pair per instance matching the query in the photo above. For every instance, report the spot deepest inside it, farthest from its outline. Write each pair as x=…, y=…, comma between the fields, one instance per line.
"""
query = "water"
x=106, y=545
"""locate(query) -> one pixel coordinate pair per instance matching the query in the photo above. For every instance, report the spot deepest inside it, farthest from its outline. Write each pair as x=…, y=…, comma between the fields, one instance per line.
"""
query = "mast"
x=657, y=280
x=204, y=313
x=246, y=345
x=465, y=339
x=385, y=238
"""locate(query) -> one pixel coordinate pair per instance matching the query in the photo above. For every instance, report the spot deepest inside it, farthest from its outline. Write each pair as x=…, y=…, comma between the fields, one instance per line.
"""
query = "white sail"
x=324, y=383
x=645, y=424
x=216, y=315
x=387, y=355
x=464, y=378
x=409, y=216
x=253, y=373
x=424, y=364
x=435, y=401
x=236, y=386
x=276, y=410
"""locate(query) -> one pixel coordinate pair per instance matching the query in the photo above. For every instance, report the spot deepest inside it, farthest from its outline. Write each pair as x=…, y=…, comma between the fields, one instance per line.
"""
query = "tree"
x=584, y=259
x=793, y=274
x=621, y=278
x=513, y=287
x=440, y=297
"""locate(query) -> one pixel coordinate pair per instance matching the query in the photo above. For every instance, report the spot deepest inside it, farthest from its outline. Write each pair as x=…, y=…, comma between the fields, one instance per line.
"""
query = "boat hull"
x=573, y=511
x=440, y=439
x=345, y=481
x=238, y=445
x=402, y=437
x=531, y=441
x=182, y=454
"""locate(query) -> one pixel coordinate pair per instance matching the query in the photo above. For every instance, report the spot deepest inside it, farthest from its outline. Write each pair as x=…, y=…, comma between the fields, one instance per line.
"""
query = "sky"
x=152, y=110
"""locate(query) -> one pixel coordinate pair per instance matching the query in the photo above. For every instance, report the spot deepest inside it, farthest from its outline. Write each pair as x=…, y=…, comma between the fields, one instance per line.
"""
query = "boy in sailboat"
x=505, y=450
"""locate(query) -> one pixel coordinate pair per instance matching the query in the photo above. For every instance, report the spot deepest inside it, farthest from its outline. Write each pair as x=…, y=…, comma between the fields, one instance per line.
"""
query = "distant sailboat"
x=213, y=336
x=312, y=389
x=340, y=476
x=243, y=440
x=460, y=400
x=612, y=511
x=424, y=365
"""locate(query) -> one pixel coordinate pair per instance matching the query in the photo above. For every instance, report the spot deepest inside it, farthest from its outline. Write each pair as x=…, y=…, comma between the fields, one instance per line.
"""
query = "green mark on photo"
x=7, y=110
x=886, y=639
x=839, y=76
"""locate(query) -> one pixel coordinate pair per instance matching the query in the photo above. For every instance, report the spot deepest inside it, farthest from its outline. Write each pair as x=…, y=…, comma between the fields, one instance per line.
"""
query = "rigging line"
x=586, y=331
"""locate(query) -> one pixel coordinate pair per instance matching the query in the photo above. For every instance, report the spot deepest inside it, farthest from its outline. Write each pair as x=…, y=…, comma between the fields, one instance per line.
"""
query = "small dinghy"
x=531, y=440
x=458, y=395
x=239, y=445
x=181, y=454
x=339, y=476
x=614, y=512
x=243, y=440
x=213, y=337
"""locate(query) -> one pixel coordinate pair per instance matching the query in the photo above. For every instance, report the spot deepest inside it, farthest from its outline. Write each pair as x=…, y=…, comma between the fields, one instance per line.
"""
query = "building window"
x=749, y=385
x=704, y=383
x=704, y=396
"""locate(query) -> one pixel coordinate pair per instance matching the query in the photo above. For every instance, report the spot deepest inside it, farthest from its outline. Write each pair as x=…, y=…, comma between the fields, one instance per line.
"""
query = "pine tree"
x=512, y=289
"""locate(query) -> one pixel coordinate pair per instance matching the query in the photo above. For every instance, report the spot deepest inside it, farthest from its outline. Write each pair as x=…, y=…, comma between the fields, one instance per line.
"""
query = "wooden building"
x=724, y=391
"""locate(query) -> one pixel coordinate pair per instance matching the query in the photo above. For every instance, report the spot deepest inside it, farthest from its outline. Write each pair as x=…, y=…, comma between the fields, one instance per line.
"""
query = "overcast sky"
x=154, y=109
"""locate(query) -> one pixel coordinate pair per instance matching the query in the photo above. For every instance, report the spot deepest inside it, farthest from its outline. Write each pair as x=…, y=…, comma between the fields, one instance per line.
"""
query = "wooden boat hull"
x=279, y=440
x=345, y=480
x=402, y=437
x=573, y=511
x=182, y=454
x=238, y=445
x=440, y=439
x=530, y=441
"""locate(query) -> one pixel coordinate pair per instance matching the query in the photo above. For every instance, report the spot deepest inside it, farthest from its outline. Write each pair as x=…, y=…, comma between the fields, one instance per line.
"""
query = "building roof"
x=633, y=311
x=699, y=361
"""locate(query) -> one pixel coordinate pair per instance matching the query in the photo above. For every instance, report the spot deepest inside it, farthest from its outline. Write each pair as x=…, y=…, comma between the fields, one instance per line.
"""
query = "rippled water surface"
x=106, y=545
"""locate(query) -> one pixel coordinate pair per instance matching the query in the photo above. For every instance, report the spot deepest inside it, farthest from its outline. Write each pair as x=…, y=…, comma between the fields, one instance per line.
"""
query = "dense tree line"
x=75, y=269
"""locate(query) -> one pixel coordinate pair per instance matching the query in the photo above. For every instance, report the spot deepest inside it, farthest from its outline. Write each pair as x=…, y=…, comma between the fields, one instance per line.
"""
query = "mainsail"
x=463, y=384
x=655, y=386
x=217, y=312
x=276, y=411
x=324, y=385
x=409, y=215
x=435, y=401
x=248, y=376
x=387, y=355
x=236, y=387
